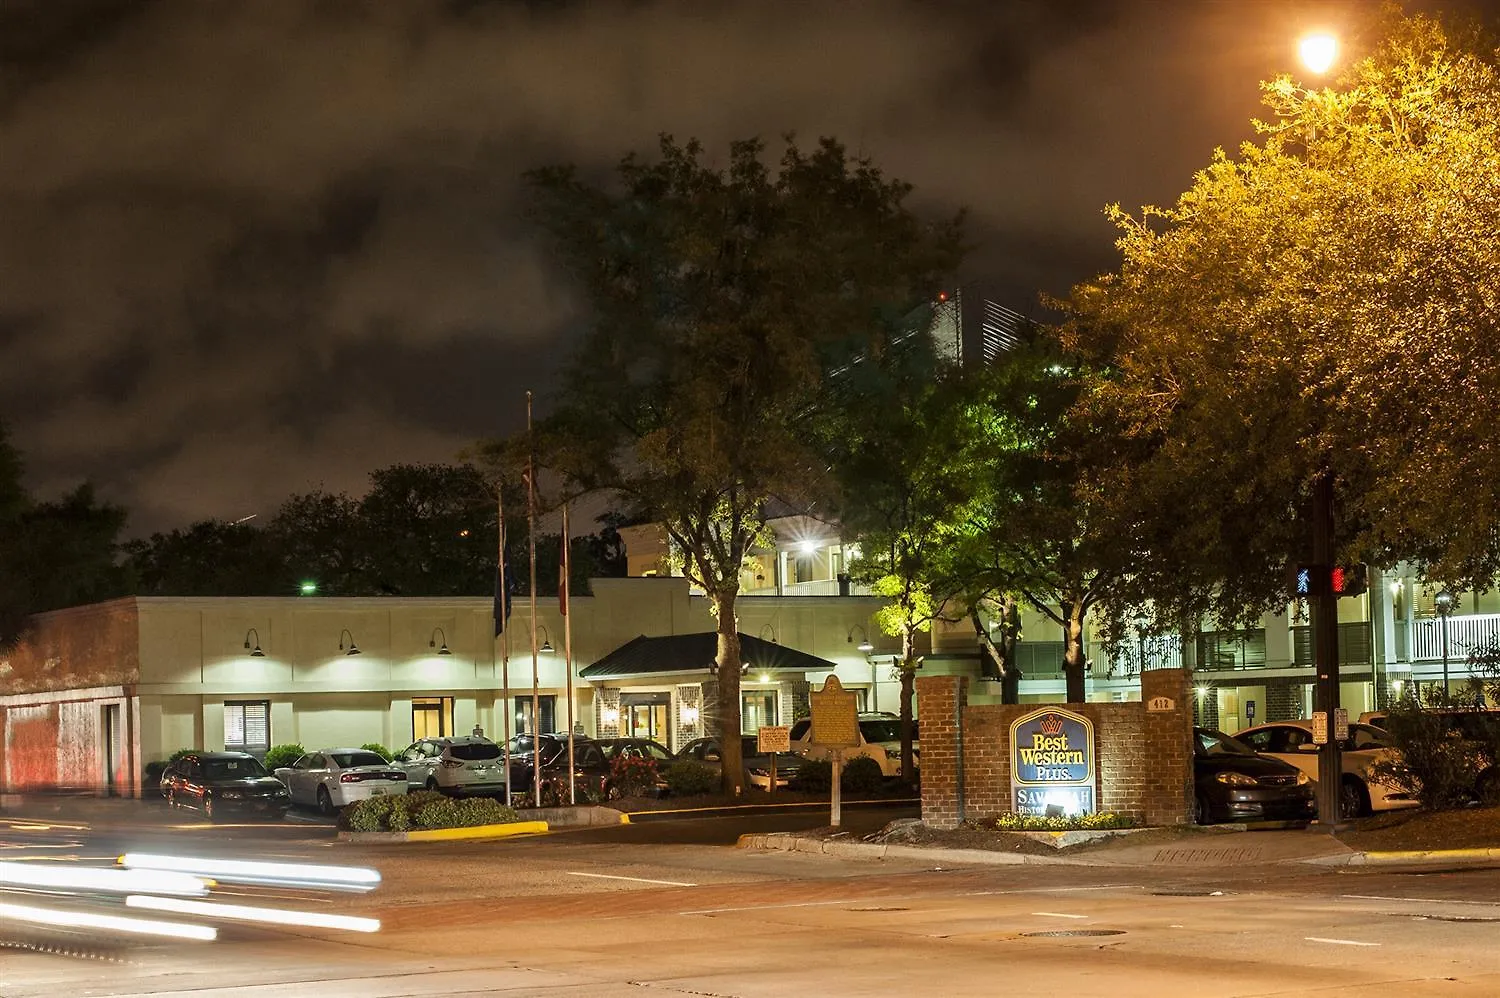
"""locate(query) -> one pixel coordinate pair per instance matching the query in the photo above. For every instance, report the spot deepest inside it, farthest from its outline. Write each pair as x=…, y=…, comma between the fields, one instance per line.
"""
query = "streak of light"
x=245, y=913
x=87, y=878
x=252, y=872
x=106, y=923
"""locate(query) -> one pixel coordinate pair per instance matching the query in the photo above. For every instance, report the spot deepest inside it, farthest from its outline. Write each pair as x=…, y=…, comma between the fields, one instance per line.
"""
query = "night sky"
x=253, y=248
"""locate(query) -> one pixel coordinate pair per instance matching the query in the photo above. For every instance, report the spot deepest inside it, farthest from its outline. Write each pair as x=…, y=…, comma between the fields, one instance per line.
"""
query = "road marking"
x=639, y=880
x=1379, y=897
x=1337, y=942
x=795, y=904
x=1052, y=890
x=1056, y=914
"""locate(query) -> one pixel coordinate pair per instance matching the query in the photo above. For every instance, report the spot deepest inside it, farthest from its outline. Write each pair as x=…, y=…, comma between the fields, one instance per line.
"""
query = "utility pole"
x=1325, y=625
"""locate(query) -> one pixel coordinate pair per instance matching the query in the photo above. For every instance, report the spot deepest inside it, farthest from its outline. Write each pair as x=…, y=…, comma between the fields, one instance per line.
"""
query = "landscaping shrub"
x=283, y=755
x=379, y=750
x=1439, y=754
x=422, y=809
x=633, y=775
x=1012, y=822
x=178, y=755
x=685, y=778
x=862, y=775
x=814, y=776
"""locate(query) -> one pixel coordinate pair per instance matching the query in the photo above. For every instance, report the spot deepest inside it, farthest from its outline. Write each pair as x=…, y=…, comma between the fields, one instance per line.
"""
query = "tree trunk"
x=1073, y=657
x=1003, y=651
x=908, y=691
x=728, y=662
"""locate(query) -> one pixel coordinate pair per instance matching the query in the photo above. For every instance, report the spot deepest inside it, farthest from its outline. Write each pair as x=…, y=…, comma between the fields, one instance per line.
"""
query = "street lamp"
x=1318, y=51
x=1444, y=603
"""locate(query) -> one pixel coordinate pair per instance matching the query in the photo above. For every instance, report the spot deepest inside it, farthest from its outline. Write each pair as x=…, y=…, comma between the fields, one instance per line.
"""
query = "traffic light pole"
x=1325, y=625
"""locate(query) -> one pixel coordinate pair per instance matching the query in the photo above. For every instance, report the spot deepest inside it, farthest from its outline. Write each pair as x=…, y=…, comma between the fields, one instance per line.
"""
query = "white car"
x=468, y=765
x=1359, y=793
x=879, y=738
x=336, y=777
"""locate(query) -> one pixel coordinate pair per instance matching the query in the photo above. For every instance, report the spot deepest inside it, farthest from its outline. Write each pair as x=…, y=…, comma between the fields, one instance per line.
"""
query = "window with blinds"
x=247, y=726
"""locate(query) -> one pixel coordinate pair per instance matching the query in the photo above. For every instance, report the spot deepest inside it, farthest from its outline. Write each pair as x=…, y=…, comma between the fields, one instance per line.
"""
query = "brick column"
x=1284, y=701
x=798, y=703
x=1205, y=707
x=1168, y=770
x=940, y=700
x=688, y=699
x=607, y=699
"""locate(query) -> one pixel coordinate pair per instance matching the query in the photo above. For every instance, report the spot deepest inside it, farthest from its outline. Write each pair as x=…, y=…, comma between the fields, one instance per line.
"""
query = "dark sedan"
x=590, y=768
x=1233, y=783
x=217, y=783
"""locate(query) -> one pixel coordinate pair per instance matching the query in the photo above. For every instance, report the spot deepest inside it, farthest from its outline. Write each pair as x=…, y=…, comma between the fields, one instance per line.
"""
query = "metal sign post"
x=835, y=726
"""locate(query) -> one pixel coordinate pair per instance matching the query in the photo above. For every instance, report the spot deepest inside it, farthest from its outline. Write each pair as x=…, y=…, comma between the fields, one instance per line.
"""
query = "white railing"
x=1466, y=633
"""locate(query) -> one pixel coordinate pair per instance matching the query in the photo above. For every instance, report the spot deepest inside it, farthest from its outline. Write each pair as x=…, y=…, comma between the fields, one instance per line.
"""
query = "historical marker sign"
x=835, y=723
x=1052, y=763
x=773, y=738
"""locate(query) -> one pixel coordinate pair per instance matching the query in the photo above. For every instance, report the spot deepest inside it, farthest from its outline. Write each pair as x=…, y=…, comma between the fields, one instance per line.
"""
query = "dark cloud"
x=254, y=248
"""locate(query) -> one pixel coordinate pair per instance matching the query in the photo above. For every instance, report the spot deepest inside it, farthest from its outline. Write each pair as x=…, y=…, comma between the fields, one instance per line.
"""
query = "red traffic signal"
x=1340, y=580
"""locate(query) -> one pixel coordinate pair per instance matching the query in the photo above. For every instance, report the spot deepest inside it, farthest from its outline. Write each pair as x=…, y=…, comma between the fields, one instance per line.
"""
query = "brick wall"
x=1144, y=759
x=1284, y=701
x=689, y=698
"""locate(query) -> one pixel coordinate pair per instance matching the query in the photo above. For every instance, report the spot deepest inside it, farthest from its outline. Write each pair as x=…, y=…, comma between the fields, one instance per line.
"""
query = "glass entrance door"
x=647, y=720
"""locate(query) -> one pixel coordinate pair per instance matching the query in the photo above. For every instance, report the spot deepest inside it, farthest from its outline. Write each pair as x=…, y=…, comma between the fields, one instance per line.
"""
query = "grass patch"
x=1399, y=831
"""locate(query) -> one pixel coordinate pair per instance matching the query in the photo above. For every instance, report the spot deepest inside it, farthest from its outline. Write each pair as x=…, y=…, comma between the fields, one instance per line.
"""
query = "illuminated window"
x=247, y=726
x=757, y=708
x=431, y=717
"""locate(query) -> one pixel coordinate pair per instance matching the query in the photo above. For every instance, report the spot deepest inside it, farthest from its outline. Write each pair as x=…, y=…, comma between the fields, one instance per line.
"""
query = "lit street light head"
x=1318, y=52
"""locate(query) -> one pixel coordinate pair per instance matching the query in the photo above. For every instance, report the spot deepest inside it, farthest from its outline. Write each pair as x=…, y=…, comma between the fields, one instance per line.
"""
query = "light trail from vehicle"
x=246, y=913
x=59, y=877
x=58, y=918
x=346, y=878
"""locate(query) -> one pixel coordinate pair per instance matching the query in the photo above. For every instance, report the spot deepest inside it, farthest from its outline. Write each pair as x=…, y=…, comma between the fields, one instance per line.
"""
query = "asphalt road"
x=619, y=912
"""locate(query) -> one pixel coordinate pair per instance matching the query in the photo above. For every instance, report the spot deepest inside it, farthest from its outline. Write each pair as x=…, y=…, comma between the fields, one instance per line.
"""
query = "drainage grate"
x=1072, y=933
x=1213, y=857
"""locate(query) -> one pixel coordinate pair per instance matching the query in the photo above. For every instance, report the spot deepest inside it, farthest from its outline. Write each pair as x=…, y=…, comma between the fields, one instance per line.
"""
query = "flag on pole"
x=562, y=571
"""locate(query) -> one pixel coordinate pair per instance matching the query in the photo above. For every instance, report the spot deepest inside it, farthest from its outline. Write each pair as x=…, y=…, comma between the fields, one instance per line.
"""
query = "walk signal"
x=1340, y=580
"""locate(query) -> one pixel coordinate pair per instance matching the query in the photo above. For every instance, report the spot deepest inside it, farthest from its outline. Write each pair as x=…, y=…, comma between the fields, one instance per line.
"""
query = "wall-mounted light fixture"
x=764, y=629
x=1202, y=692
x=546, y=648
x=351, y=648
x=864, y=638
x=432, y=642
x=610, y=715
x=765, y=677
x=254, y=649
x=713, y=668
x=689, y=714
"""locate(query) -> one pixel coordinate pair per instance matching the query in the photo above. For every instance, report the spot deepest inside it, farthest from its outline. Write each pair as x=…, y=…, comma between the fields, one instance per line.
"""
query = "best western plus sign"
x=1052, y=763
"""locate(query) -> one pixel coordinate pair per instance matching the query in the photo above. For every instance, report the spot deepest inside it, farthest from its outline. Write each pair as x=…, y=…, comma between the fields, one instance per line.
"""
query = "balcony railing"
x=1467, y=633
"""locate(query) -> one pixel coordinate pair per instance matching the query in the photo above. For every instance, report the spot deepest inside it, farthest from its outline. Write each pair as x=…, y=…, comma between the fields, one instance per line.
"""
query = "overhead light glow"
x=807, y=547
x=105, y=923
x=1318, y=51
x=253, y=872
x=246, y=913
x=309, y=588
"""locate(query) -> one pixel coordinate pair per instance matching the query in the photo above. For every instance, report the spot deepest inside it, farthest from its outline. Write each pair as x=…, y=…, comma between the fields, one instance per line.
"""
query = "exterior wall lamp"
x=351, y=648
x=432, y=642
x=254, y=649
x=864, y=638
x=546, y=648
x=689, y=714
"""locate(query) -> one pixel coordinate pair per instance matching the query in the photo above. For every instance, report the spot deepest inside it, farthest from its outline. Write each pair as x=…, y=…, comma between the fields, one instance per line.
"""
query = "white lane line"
x=1337, y=942
x=1053, y=890
x=794, y=904
x=639, y=880
x=1056, y=914
x=1379, y=897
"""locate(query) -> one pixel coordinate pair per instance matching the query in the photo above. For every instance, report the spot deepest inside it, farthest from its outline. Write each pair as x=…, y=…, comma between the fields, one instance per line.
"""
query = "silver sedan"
x=333, y=778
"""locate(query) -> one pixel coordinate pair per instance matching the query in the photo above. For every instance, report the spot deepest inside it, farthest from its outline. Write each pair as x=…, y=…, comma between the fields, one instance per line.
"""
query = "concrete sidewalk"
x=1197, y=849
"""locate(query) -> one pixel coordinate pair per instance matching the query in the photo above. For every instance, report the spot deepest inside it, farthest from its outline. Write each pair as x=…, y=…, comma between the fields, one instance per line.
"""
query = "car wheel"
x=1201, y=813
x=1354, y=799
x=325, y=802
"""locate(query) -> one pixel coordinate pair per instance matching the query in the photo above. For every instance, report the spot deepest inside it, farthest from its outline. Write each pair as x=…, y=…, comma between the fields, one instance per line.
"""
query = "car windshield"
x=1218, y=743
x=347, y=760
x=883, y=730
x=232, y=769
x=474, y=750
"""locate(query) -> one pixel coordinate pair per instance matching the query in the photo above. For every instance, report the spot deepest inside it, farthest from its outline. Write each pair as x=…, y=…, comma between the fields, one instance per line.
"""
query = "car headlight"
x=231, y=794
x=1237, y=779
x=1302, y=778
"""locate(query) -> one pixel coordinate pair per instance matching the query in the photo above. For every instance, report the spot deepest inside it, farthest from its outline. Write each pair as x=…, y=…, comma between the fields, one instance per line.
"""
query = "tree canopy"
x=721, y=299
x=1325, y=302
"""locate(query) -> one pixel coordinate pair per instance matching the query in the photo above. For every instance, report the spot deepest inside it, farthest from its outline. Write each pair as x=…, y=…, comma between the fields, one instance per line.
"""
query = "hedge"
x=423, y=809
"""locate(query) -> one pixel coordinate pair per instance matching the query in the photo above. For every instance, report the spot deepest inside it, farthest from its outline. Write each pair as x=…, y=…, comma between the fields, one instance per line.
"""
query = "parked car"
x=591, y=772
x=464, y=766
x=216, y=783
x=336, y=777
x=757, y=766
x=1233, y=783
x=1359, y=792
x=644, y=748
x=879, y=738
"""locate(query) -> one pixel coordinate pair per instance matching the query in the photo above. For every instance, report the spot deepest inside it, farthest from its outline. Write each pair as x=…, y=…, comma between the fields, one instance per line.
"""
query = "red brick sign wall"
x=1145, y=758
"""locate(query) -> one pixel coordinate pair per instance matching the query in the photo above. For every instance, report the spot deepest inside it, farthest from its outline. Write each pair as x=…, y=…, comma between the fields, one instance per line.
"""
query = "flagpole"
x=564, y=584
x=504, y=597
x=536, y=699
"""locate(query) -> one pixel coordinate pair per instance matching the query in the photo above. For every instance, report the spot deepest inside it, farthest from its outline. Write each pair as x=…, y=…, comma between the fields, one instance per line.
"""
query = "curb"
x=1409, y=857
x=728, y=810
x=783, y=842
x=504, y=831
